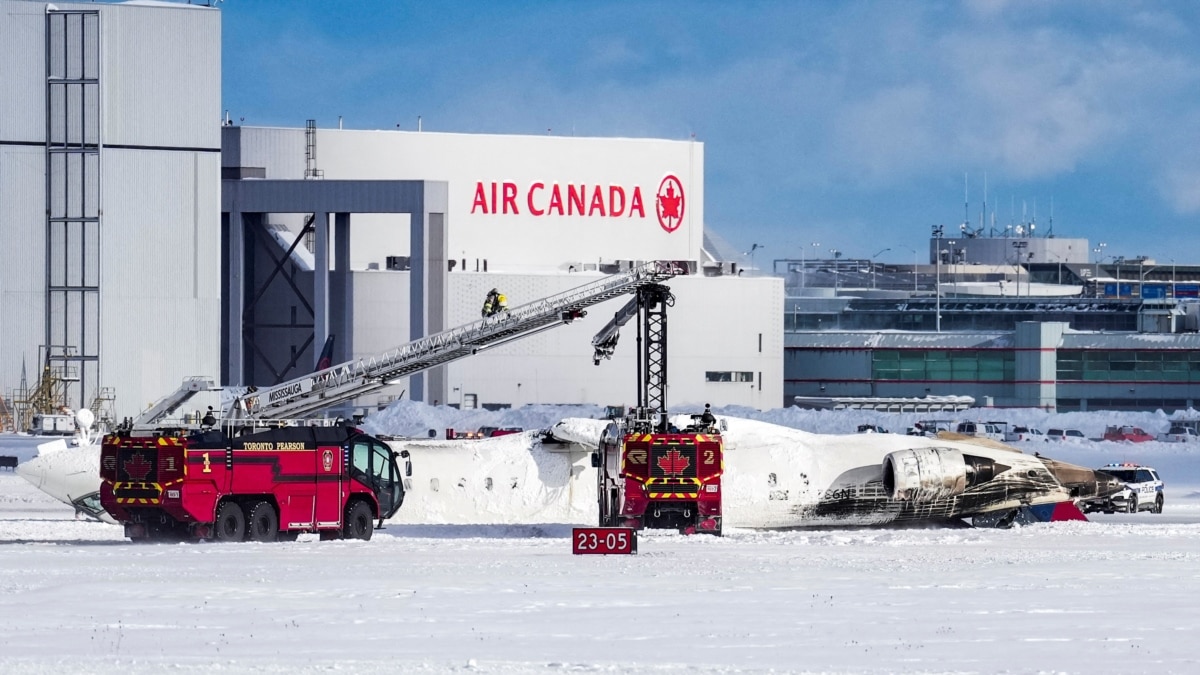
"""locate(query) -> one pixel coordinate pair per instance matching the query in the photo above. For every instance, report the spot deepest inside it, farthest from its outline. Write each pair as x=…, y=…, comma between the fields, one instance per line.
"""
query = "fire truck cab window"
x=361, y=461
x=385, y=478
x=381, y=465
x=371, y=458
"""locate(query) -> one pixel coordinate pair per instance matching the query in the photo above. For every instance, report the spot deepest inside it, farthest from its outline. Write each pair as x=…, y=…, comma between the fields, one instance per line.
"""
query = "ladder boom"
x=346, y=381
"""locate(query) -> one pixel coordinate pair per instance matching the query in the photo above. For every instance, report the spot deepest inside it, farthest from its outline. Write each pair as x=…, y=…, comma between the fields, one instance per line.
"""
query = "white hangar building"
x=529, y=215
x=135, y=253
x=110, y=202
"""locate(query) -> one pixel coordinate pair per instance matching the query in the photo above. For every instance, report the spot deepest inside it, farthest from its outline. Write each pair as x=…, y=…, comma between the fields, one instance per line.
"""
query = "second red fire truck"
x=258, y=481
x=650, y=473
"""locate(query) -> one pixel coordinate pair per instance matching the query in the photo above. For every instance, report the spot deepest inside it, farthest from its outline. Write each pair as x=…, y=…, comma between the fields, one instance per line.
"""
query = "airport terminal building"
x=147, y=240
x=1051, y=333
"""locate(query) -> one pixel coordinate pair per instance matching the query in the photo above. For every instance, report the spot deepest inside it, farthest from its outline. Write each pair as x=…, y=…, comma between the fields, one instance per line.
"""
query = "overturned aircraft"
x=775, y=477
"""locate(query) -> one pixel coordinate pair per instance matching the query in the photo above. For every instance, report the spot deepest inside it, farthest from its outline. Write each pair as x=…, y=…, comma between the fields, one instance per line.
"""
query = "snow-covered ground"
x=1113, y=595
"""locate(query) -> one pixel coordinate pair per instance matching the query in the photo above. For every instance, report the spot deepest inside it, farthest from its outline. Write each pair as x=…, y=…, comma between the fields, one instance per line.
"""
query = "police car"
x=1143, y=490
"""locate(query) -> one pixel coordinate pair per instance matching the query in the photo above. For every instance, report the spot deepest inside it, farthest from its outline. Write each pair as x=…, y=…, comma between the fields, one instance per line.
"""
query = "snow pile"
x=508, y=479
x=417, y=420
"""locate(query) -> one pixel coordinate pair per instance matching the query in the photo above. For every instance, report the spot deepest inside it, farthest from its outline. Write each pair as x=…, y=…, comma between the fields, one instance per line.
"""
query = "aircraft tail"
x=1027, y=515
x=1052, y=513
x=326, y=358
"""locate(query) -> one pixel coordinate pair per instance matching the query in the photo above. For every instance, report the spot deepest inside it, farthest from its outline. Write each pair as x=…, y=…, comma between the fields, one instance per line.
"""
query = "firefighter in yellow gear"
x=495, y=303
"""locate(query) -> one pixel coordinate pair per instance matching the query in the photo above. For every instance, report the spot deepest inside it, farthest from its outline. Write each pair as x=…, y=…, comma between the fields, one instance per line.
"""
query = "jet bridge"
x=325, y=388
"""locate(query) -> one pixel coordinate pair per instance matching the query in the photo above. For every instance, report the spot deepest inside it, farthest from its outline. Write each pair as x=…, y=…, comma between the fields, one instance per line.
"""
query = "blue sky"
x=850, y=124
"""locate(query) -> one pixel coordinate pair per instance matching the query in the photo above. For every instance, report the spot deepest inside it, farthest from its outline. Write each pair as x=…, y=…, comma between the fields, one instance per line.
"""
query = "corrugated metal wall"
x=160, y=243
x=279, y=151
x=161, y=270
x=22, y=261
x=23, y=68
x=22, y=190
x=162, y=75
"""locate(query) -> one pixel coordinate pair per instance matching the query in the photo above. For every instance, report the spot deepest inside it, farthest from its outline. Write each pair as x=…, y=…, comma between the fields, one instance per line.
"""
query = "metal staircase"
x=331, y=386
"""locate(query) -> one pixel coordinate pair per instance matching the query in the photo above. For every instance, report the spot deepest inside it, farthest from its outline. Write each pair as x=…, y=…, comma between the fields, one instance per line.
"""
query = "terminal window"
x=729, y=376
x=1128, y=365
x=954, y=365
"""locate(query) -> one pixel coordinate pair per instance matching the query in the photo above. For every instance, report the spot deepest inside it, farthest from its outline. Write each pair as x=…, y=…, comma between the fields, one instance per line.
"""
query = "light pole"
x=952, y=258
x=914, y=252
x=1019, y=246
x=873, y=265
x=836, y=255
x=753, y=248
x=937, y=236
x=1099, y=257
x=1142, y=278
x=804, y=266
x=1056, y=257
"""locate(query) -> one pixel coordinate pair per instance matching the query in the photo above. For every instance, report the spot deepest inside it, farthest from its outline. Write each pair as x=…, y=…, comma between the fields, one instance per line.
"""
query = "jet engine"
x=929, y=474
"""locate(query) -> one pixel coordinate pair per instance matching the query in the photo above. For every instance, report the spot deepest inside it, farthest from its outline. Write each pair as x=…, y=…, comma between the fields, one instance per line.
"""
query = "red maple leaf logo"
x=673, y=463
x=137, y=467
x=671, y=203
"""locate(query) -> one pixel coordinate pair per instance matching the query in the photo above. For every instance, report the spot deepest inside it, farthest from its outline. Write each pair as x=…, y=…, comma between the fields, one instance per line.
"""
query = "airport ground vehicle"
x=1019, y=433
x=650, y=473
x=492, y=432
x=930, y=428
x=1143, y=490
x=871, y=429
x=1126, y=433
x=992, y=430
x=1179, y=434
x=1065, y=435
x=46, y=424
x=259, y=481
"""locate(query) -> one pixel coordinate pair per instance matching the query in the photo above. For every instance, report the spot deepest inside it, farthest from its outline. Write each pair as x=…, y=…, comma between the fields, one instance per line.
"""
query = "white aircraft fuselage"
x=775, y=477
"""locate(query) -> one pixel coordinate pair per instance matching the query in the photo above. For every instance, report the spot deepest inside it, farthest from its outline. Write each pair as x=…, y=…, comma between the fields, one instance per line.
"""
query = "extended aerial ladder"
x=346, y=381
x=650, y=302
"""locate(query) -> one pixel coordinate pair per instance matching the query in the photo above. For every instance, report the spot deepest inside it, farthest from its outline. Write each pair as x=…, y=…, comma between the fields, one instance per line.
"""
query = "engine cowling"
x=929, y=474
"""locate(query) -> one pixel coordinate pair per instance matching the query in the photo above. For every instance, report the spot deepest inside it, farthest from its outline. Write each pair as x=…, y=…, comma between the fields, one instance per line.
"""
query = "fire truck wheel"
x=231, y=522
x=264, y=523
x=359, y=521
x=614, y=508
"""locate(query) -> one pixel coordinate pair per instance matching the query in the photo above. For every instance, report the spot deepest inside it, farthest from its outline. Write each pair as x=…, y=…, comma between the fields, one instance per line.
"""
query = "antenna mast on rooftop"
x=983, y=214
x=966, y=204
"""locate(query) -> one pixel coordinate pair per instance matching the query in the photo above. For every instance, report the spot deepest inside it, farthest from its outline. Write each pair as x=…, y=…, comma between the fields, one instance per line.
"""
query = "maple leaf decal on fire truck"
x=670, y=203
x=136, y=467
x=673, y=463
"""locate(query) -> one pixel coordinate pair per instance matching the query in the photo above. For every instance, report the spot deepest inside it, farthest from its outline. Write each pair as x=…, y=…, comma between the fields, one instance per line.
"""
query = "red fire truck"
x=653, y=479
x=257, y=481
x=649, y=473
